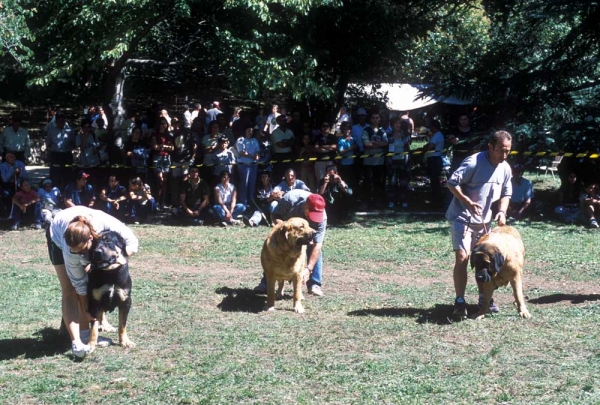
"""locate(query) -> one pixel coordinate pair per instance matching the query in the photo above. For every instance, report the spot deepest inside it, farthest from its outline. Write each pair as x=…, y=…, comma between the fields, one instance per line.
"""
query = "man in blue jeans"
x=309, y=206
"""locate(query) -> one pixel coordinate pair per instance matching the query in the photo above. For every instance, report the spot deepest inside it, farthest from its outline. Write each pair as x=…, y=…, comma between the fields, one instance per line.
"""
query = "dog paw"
x=299, y=309
x=525, y=314
x=126, y=343
x=106, y=327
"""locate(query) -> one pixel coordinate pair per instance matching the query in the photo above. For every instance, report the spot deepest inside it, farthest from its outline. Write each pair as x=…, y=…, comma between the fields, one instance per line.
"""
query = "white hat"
x=361, y=111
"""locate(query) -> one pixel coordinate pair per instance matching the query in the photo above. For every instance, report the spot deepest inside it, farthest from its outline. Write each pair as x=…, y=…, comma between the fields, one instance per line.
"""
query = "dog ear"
x=474, y=253
x=498, y=261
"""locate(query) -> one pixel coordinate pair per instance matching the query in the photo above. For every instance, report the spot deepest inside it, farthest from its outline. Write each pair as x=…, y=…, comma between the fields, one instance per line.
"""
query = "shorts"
x=162, y=164
x=465, y=236
x=55, y=253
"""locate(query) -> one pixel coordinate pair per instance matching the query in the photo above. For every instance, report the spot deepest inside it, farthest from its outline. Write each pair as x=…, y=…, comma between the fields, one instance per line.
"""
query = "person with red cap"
x=309, y=206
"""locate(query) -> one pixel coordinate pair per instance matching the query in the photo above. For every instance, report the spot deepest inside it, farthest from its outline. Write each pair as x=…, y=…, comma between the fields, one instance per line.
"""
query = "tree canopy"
x=534, y=58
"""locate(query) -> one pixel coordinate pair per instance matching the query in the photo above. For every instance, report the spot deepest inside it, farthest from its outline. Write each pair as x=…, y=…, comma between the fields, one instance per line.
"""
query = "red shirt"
x=163, y=139
x=24, y=198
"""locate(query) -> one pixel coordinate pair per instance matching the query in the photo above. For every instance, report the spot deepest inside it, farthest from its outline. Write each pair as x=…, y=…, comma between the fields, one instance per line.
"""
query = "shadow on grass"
x=240, y=300
x=51, y=344
x=440, y=314
x=574, y=298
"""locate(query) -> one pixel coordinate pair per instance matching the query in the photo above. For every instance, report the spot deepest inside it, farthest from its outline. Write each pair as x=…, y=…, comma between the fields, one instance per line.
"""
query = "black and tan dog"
x=109, y=284
x=283, y=258
x=498, y=259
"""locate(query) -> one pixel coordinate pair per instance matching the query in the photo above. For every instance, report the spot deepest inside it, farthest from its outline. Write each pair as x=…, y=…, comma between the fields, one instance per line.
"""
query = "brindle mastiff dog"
x=283, y=258
x=498, y=259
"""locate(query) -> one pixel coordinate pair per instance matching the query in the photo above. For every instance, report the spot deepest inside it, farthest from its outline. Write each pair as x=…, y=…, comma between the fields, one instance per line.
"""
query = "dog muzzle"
x=483, y=276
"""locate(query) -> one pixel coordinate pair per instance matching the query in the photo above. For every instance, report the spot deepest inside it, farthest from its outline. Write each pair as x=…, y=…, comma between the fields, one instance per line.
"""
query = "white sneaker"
x=102, y=341
x=315, y=290
x=80, y=351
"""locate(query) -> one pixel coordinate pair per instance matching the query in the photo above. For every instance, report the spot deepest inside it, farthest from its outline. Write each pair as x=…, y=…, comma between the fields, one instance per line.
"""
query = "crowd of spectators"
x=205, y=167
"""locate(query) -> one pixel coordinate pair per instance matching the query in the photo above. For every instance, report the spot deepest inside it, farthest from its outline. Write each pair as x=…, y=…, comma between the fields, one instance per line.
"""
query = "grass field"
x=381, y=333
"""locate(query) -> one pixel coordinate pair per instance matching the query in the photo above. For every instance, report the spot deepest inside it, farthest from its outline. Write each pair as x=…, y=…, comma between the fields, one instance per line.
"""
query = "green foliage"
x=14, y=32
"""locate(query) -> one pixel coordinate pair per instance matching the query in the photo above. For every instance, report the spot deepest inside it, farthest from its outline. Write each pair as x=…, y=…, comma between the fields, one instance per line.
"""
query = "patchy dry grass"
x=381, y=334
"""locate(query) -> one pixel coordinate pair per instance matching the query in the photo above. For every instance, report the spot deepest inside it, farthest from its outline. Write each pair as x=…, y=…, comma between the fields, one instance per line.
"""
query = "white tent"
x=406, y=97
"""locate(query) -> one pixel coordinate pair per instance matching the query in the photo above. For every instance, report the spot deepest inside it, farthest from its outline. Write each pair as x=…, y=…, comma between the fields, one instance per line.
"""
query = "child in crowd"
x=141, y=202
x=26, y=206
x=50, y=201
x=590, y=203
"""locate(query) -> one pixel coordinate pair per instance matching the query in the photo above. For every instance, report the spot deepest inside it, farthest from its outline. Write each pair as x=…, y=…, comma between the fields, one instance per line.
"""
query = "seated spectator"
x=141, y=203
x=113, y=197
x=194, y=198
x=264, y=197
x=289, y=183
x=336, y=194
x=590, y=204
x=12, y=173
x=79, y=192
x=224, y=159
x=522, y=194
x=50, y=201
x=26, y=207
x=226, y=207
x=568, y=208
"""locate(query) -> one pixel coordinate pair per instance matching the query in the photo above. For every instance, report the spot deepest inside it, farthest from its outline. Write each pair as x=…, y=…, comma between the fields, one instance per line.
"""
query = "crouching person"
x=27, y=207
x=141, y=203
x=193, y=197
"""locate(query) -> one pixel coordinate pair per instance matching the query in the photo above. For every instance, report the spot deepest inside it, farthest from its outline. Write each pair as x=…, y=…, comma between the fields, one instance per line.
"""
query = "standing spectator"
x=357, y=131
x=114, y=197
x=99, y=114
x=194, y=198
x=282, y=142
x=79, y=192
x=210, y=144
x=434, y=161
x=238, y=129
x=346, y=147
x=196, y=112
x=224, y=159
x=60, y=142
x=307, y=166
x=342, y=116
x=226, y=207
x=182, y=158
x=16, y=139
x=271, y=123
x=304, y=204
x=27, y=206
x=89, y=148
x=590, y=203
x=325, y=147
x=235, y=116
x=248, y=151
x=102, y=137
x=137, y=151
x=162, y=146
x=12, y=173
x=187, y=117
x=224, y=128
x=296, y=125
x=141, y=202
x=480, y=180
x=165, y=114
x=374, y=140
x=261, y=119
x=522, y=194
x=398, y=171
x=214, y=111
x=410, y=124
x=464, y=142
x=50, y=201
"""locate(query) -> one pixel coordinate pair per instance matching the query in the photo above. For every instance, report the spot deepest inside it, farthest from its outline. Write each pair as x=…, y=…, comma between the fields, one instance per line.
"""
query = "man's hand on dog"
x=501, y=218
